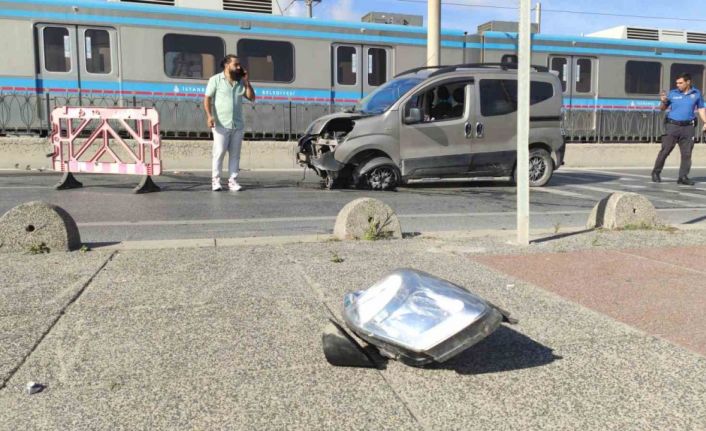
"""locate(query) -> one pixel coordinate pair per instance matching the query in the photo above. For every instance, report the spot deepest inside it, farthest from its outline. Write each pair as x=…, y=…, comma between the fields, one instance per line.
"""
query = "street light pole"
x=433, y=32
x=523, y=113
x=309, y=7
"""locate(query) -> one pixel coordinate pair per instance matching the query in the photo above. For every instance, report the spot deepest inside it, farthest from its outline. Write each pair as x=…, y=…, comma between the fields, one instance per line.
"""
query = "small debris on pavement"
x=33, y=388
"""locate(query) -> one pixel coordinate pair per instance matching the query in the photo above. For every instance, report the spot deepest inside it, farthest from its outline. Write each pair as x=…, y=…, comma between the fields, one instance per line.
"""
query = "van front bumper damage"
x=326, y=162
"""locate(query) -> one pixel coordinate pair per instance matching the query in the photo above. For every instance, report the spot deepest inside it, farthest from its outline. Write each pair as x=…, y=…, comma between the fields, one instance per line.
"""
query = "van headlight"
x=418, y=318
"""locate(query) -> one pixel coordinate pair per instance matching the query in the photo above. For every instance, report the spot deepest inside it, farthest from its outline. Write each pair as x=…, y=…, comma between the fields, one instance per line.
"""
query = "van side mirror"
x=413, y=116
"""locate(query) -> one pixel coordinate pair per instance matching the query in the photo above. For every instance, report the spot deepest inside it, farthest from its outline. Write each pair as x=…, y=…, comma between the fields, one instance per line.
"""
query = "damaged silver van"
x=438, y=122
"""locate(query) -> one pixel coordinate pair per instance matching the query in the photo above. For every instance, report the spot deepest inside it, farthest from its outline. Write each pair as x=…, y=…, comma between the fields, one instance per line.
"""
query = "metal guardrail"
x=184, y=118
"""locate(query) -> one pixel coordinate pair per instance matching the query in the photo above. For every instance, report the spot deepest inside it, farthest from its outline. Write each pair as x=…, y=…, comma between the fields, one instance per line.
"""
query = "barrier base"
x=68, y=181
x=146, y=186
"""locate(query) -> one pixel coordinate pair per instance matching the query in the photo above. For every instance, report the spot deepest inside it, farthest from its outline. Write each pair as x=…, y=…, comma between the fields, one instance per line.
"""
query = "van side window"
x=499, y=96
x=440, y=103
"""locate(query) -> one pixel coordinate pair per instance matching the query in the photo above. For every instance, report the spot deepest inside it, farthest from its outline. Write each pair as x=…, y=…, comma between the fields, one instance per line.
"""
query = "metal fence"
x=26, y=113
x=179, y=117
x=617, y=126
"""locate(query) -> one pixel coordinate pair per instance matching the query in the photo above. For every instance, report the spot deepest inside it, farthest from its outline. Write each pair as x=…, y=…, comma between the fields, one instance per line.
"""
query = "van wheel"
x=331, y=181
x=541, y=168
x=385, y=177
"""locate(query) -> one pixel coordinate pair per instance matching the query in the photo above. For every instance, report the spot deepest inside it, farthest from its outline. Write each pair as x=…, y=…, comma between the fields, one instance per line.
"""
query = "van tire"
x=384, y=176
x=541, y=168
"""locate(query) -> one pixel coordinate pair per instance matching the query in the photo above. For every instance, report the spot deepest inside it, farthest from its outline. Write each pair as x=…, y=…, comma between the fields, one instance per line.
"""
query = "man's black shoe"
x=656, y=178
x=686, y=181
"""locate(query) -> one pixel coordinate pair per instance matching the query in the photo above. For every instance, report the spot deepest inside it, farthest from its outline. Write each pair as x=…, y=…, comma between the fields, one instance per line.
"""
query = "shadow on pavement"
x=98, y=245
x=696, y=220
x=559, y=236
x=504, y=350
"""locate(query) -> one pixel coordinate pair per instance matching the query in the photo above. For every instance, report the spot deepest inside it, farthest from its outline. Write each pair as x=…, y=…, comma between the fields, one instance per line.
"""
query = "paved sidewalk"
x=229, y=337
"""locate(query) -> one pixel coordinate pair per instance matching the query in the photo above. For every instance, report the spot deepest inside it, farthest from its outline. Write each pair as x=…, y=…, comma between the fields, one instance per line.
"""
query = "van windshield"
x=382, y=98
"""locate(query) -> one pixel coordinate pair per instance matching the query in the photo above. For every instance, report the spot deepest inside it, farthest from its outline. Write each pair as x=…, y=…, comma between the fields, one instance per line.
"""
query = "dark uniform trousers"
x=684, y=135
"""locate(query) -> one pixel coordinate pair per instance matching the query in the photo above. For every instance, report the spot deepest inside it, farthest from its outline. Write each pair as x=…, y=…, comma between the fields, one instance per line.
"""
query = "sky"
x=468, y=14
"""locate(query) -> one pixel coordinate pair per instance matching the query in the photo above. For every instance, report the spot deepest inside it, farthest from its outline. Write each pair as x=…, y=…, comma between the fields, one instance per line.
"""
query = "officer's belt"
x=680, y=123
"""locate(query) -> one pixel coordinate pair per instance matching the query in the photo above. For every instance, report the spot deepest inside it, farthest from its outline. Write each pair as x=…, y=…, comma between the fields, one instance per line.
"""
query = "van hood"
x=318, y=125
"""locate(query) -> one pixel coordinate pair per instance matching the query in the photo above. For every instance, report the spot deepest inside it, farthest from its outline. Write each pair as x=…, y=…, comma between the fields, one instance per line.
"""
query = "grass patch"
x=376, y=229
x=646, y=226
x=84, y=248
x=40, y=248
x=335, y=258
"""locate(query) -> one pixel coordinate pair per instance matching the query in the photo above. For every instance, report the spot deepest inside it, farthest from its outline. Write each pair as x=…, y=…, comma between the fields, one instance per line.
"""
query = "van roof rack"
x=503, y=66
x=417, y=69
x=451, y=68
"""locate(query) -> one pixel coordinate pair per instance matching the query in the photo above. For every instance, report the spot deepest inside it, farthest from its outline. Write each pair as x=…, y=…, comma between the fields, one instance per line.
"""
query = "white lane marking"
x=651, y=197
x=686, y=194
x=619, y=174
x=566, y=193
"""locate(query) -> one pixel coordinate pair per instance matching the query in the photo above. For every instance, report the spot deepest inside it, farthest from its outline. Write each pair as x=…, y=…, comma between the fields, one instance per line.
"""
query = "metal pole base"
x=68, y=181
x=146, y=186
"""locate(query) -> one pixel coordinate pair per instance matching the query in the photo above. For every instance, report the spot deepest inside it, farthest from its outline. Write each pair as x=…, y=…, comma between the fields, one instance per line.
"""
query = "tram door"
x=579, y=78
x=78, y=65
x=357, y=71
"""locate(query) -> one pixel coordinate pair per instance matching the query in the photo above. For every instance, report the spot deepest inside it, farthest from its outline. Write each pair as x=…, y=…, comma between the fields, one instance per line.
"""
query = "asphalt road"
x=285, y=203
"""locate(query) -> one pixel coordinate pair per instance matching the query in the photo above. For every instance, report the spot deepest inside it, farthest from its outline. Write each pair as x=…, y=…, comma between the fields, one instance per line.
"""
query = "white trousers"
x=226, y=140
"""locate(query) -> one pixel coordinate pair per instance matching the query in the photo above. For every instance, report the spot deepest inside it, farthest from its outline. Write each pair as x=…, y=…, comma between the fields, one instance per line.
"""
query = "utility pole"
x=523, y=113
x=433, y=32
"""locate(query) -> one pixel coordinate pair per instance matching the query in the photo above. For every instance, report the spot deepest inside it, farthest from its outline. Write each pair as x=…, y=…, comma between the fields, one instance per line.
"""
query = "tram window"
x=267, y=60
x=558, y=65
x=57, y=49
x=499, y=96
x=695, y=70
x=583, y=84
x=347, y=65
x=377, y=66
x=97, y=51
x=192, y=57
x=642, y=77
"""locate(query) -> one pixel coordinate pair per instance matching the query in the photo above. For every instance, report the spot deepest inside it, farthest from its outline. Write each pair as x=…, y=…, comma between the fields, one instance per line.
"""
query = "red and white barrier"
x=75, y=153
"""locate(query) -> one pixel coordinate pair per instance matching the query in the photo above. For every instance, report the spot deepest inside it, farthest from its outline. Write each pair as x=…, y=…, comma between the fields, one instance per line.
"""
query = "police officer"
x=679, y=127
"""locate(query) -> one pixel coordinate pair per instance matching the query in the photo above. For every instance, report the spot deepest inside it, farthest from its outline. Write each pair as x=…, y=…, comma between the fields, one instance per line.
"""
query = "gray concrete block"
x=621, y=210
x=34, y=223
x=367, y=218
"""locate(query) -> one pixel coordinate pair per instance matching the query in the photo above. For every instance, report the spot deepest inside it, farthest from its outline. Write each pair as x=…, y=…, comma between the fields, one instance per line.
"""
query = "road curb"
x=535, y=234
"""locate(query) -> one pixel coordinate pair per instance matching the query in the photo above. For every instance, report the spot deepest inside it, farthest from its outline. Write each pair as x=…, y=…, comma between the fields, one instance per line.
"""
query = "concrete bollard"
x=39, y=226
x=621, y=210
x=367, y=218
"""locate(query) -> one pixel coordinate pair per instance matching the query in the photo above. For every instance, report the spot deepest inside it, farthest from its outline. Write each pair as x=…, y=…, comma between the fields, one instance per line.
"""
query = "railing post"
x=47, y=108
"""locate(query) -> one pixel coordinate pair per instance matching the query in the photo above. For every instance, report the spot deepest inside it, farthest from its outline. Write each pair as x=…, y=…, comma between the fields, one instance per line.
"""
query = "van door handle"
x=479, y=130
x=468, y=128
